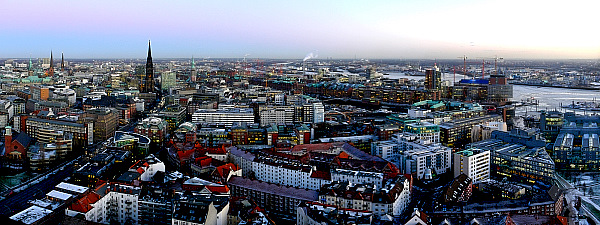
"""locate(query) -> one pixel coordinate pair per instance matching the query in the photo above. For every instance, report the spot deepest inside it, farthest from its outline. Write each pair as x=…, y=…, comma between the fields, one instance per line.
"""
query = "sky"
x=395, y=29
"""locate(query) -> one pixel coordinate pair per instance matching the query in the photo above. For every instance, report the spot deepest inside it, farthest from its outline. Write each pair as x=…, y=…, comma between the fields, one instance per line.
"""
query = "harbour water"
x=549, y=98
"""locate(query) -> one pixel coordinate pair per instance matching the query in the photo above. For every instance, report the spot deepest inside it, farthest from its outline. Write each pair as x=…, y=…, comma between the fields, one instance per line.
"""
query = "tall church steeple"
x=148, y=83
x=193, y=73
x=30, y=67
x=51, y=70
x=62, y=61
x=193, y=63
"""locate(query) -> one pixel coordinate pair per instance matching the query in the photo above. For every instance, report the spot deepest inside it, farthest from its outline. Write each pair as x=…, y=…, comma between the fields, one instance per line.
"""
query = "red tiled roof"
x=185, y=154
x=224, y=170
x=311, y=147
x=218, y=189
x=343, y=155
x=220, y=150
x=84, y=204
x=203, y=161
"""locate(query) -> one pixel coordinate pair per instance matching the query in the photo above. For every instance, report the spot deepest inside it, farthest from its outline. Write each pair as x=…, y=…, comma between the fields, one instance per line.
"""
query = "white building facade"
x=223, y=116
x=475, y=163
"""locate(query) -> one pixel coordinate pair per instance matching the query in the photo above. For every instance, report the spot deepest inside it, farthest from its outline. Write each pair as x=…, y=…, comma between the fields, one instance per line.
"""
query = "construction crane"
x=495, y=58
x=464, y=57
x=496, y=64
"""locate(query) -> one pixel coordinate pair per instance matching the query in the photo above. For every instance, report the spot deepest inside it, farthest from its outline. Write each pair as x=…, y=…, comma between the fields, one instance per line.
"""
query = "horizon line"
x=300, y=59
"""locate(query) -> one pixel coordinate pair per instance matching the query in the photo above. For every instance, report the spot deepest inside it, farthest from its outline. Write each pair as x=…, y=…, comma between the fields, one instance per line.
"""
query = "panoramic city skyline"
x=267, y=29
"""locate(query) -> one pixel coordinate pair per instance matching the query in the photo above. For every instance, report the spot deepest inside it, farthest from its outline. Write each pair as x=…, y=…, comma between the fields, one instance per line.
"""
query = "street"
x=18, y=201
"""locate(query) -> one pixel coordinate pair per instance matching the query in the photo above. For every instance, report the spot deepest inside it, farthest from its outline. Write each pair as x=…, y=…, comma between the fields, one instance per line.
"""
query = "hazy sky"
x=290, y=29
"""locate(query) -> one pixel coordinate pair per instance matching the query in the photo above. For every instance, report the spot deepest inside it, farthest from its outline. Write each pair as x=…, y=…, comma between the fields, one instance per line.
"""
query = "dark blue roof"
x=23, y=139
x=474, y=81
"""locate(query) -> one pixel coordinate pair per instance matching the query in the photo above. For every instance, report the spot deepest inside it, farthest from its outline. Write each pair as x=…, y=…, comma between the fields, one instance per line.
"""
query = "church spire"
x=62, y=61
x=193, y=64
x=148, y=82
x=149, y=51
x=193, y=73
x=30, y=68
x=51, y=70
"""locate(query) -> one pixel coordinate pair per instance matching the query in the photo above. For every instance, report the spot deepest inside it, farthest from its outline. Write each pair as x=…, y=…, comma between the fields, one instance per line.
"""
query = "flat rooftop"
x=31, y=215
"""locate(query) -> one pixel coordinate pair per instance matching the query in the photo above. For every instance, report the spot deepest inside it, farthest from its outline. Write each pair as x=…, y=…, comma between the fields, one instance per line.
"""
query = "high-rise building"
x=147, y=85
x=474, y=162
x=314, y=112
x=168, y=80
x=433, y=79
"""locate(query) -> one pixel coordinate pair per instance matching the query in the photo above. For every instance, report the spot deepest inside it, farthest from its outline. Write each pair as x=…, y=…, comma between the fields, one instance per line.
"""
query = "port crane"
x=495, y=58
x=483, y=62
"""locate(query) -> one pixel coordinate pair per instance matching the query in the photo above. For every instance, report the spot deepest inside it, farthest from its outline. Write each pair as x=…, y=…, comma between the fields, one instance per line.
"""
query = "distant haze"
x=293, y=29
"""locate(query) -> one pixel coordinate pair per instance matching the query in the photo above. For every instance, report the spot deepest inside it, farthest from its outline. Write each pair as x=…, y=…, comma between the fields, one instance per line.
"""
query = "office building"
x=433, y=79
x=105, y=122
x=475, y=163
x=550, y=124
x=39, y=92
x=424, y=161
x=153, y=128
x=457, y=133
x=168, y=80
x=173, y=114
x=224, y=117
x=523, y=160
x=137, y=144
x=83, y=133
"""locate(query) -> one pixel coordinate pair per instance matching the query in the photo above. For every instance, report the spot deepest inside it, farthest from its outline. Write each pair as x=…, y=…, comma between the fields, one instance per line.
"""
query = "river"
x=548, y=97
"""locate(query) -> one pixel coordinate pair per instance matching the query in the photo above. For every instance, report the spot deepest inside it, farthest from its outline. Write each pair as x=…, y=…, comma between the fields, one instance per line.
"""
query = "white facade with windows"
x=298, y=176
x=358, y=177
x=387, y=150
x=424, y=160
x=392, y=199
x=475, y=163
x=278, y=115
x=318, y=112
x=119, y=204
x=223, y=116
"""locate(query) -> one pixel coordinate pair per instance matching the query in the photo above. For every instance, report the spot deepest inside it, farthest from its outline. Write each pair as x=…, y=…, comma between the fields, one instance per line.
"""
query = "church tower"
x=193, y=73
x=62, y=61
x=51, y=70
x=148, y=83
x=30, y=67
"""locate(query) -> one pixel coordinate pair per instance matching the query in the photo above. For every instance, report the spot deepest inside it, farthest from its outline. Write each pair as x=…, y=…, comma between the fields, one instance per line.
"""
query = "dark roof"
x=195, y=215
x=259, y=186
x=555, y=193
x=455, y=192
x=23, y=139
x=107, y=101
x=56, y=122
x=129, y=177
